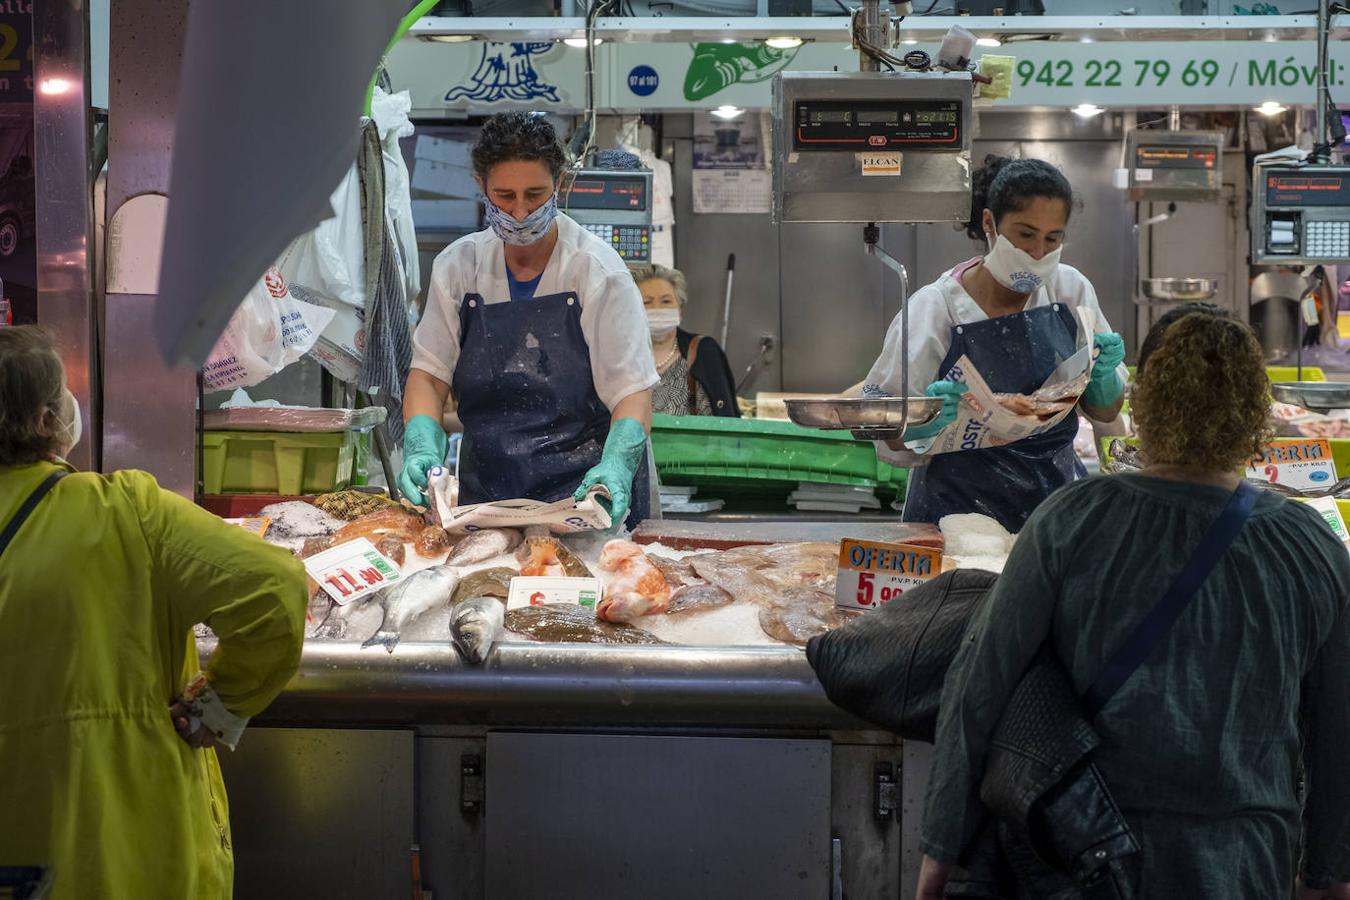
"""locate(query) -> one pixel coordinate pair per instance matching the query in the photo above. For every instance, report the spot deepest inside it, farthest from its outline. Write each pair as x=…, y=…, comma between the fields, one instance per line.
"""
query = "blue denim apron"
x=533, y=424
x=1014, y=354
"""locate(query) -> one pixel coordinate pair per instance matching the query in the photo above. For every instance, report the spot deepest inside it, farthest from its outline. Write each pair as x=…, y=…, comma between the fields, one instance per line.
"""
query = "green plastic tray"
x=267, y=462
x=749, y=453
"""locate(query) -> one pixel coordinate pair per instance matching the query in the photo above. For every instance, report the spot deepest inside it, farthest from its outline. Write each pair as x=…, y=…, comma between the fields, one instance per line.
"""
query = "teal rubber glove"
x=424, y=446
x=950, y=392
x=618, y=464
x=1104, y=388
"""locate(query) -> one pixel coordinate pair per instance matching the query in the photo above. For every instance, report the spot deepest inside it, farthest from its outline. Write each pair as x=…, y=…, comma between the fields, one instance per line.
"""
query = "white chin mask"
x=1016, y=269
x=662, y=322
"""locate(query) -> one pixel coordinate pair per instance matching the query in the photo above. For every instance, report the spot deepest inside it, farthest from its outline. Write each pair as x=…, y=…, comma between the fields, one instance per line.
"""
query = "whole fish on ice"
x=486, y=543
x=415, y=595
x=544, y=554
x=475, y=624
x=636, y=588
x=563, y=623
x=494, y=582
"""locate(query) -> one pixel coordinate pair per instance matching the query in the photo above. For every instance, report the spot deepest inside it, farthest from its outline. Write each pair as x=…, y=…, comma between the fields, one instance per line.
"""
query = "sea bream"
x=474, y=625
x=411, y=597
x=485, y=543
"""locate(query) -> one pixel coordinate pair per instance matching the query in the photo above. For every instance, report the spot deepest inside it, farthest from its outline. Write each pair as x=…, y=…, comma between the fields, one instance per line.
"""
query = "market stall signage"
x=872, y=574
x=485, y=75
x=536, y=590
x=352, y=570
x=257, y=526
x=1304, y=465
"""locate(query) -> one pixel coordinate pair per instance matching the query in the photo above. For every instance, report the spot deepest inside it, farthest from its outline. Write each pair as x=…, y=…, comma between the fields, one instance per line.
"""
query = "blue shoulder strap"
x=28, y=506
x=1161, y=618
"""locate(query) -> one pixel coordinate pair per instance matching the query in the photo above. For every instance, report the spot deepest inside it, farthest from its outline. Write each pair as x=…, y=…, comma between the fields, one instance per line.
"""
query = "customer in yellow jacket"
x=99, y=590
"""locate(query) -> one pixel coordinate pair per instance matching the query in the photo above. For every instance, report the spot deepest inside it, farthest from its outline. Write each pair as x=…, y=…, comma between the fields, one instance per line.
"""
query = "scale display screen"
x=1175, y=156
x=1304, y=188
x=624, y=192
x=860, y=125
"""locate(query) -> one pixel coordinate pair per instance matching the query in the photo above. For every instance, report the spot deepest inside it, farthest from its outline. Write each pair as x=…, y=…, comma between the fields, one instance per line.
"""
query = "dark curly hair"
x=516, y=137
x=1203, y=401
x=31, y=379
x=1004, y=185
x=1153, y=340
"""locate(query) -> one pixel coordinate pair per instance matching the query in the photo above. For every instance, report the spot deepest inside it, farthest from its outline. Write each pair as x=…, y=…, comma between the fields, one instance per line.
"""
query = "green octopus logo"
x=716, y=67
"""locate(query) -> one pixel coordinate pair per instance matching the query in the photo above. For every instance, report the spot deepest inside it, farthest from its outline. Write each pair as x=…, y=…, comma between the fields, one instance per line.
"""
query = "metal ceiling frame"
x=694, y=29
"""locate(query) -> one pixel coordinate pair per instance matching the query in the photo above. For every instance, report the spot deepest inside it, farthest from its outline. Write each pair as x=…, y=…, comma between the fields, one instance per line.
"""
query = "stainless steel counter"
x=532, y=685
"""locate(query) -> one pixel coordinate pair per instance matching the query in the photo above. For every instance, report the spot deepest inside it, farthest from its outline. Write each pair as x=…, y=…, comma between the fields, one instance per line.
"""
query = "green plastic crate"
x=273, y=462
x=750, y=453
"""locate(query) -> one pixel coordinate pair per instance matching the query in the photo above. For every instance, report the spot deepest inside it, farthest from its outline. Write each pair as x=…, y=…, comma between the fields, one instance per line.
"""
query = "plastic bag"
x=269, y=331
x=330, y=260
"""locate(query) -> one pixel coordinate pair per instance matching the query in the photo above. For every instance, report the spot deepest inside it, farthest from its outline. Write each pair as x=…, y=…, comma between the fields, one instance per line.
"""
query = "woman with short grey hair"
x=695, y=376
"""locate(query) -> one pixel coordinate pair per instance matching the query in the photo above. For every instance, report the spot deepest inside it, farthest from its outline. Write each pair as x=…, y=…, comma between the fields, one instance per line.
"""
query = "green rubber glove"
x=618, y=464
x=950, y=392
x=1104, y=388
x=424, y=446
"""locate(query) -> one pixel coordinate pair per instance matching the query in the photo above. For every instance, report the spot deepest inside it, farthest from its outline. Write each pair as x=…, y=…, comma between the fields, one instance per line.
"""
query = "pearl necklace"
x=670, y=358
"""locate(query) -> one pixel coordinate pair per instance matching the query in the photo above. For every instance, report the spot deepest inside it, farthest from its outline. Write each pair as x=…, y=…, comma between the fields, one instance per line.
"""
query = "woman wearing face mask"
x=105, y=781
x=1013, y=312
x=695, y=377
x=537, y=327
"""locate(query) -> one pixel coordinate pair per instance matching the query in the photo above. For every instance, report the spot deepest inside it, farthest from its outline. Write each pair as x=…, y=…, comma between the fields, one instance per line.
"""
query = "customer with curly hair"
x=536, y=326
x=1201, y=745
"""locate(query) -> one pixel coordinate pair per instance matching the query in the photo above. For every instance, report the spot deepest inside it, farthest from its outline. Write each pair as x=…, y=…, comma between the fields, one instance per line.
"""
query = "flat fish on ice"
x=697, y=598
x=475, y=624
x=800, y=615
x=415, y=595
x=568, y=623
x=678, y=572
x=486, y=543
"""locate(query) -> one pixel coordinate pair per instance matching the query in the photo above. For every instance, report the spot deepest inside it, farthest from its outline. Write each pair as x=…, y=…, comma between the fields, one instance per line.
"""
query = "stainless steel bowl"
x=868, y=419
x=1179, y=290
x=1318, y=396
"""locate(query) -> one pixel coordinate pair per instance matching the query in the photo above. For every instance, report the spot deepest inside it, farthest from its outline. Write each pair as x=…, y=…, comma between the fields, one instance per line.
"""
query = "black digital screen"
x=856, y=125
x=622, y=192
x=1174, y=156
x=1295, y=188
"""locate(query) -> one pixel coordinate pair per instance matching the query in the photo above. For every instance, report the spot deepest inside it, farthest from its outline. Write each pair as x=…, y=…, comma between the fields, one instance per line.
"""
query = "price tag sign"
x=535, y=590
x=352, y=570
x=1301, y=464
x=1331, y=512
x=257, y=526
x=872, y=573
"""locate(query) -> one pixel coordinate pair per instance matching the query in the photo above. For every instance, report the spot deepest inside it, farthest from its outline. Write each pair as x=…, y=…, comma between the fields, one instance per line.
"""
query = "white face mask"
x=663, y=321
x=1016, y=269
x=74, y=425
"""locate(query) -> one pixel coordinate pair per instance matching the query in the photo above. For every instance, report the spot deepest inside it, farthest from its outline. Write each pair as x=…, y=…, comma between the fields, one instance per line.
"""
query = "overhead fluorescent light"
x=728, y=112
x=988, y=42
x=909, y=42
x=449, y=38
x=784, y=42
x=580, y=43
x=1271, y=108
x=1088, y=110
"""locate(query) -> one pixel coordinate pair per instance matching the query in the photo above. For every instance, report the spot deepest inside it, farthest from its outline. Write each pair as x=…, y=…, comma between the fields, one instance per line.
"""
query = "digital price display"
x=861, y=125
x=623, y=192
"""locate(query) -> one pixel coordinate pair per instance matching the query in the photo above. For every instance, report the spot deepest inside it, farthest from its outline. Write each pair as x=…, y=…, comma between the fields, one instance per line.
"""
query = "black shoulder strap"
x=28, y=506
x=1161, y=618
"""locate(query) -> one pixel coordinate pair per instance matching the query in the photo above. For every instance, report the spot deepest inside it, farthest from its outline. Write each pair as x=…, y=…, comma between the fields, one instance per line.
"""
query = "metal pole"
x=1323, y=98
x=726, y=304
x=871, y=27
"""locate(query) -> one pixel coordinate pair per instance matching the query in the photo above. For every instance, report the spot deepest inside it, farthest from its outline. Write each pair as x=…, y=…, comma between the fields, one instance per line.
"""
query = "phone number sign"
x=872, y=574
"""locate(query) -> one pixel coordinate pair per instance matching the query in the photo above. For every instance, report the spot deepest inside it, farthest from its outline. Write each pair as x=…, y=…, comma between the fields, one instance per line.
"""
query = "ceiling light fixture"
x=1088, y=110
x=728, y=112
x=1271, y=108
x=449, y=38
x=988, y=42
x=784, y=42
x=580, y=43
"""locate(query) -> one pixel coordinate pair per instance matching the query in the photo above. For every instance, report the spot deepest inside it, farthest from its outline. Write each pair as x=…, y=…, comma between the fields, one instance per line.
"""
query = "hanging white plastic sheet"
x=259, y=146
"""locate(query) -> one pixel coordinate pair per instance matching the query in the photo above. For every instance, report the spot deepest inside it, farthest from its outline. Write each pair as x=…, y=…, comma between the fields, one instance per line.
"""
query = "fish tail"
x=386, y=639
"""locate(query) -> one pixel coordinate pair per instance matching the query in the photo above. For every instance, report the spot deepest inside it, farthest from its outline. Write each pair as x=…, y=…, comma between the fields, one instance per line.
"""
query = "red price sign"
x=352, y=570
x=872, y=573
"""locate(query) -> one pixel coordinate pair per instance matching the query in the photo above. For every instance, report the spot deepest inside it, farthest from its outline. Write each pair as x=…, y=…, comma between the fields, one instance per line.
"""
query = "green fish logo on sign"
x=716, y=67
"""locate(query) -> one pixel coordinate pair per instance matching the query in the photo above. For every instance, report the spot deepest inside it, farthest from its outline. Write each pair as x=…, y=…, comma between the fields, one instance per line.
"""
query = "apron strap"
x=28, y=506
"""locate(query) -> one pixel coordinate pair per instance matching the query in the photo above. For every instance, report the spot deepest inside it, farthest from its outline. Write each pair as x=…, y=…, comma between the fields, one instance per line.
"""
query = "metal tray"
x=1179, y=290
x=868, y=419
x=1319, y=396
